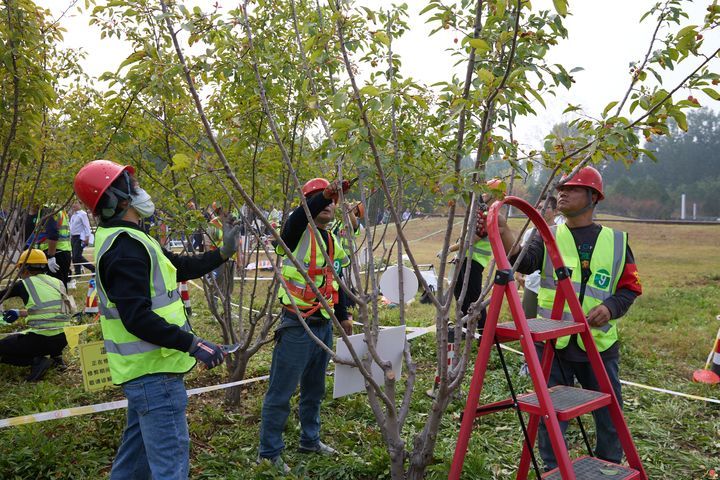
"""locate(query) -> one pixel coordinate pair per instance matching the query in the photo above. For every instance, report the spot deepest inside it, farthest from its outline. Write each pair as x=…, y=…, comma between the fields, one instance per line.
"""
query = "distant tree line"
x=686, y=162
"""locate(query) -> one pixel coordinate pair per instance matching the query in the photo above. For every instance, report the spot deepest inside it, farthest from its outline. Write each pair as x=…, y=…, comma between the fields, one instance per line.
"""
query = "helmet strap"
x=590, y=205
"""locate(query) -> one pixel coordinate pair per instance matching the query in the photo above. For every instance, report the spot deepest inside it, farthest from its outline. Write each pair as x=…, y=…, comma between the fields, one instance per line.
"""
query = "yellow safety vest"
x=130, y=357
x=481, y=252
x=63, y=242
x=606, y=265
x=314, y=261
x=46, y=314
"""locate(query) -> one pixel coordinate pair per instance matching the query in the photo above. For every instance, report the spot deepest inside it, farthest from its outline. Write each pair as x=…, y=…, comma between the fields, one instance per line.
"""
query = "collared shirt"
x=79, y=225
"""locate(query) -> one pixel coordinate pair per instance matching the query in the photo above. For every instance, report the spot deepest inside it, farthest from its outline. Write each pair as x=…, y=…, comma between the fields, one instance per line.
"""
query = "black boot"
x=59, y=363
x=39, y=367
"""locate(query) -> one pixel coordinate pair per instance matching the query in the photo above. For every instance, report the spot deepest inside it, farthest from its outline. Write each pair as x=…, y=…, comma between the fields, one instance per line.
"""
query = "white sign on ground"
x=349, y=380
x=390, y=284
x=430, y=277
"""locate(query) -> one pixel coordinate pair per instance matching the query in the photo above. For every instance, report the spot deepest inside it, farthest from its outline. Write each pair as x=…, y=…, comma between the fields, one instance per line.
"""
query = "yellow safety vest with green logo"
x=606, y=266
x=130, y=357
x=481, y=252
x=63, y=227
x=303, y=252
x=45, y=311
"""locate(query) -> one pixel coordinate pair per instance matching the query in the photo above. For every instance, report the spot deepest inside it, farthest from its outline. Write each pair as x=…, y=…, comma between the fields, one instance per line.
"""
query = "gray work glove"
x=231, y=238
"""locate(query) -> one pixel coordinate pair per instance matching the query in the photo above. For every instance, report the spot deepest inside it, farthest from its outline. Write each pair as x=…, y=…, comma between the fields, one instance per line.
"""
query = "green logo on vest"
x=602, y=278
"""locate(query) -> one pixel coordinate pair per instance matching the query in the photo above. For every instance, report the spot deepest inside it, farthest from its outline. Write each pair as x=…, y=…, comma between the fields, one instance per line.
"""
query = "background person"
x=148, y=337
x=46, y=312
x=478, y=257
x=53, y=238
x=80, y=238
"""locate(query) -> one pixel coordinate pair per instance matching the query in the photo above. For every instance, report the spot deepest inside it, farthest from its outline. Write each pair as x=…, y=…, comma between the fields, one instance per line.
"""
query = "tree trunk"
x=234, y=395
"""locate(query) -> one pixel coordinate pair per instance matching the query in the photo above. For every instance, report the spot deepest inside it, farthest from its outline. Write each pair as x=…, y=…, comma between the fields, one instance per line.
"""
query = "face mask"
x=142, y=203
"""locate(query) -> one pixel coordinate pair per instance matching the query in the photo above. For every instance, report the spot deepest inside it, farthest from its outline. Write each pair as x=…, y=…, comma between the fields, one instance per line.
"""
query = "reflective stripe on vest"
x=130, y=357
x=44, y=305
x=606, y=265
x=481, y=252
x=303, y=253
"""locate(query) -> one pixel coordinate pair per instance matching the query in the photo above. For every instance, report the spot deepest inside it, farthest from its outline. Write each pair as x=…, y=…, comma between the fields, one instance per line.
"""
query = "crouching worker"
x=47, y=311
x=148, y=339
x=296, y=357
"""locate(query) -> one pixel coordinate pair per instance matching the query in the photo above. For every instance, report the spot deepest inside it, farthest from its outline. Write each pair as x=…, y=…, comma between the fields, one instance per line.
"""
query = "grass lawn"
x=666, y=335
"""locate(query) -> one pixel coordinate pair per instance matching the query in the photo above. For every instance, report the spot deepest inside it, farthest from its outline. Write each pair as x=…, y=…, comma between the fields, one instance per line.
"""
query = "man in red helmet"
x=296, y=357
x=148, y=338
x=606, y=279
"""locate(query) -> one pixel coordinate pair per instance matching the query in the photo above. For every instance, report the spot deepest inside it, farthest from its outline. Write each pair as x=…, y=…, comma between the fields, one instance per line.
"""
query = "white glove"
x=53, y=265
x=439, y=254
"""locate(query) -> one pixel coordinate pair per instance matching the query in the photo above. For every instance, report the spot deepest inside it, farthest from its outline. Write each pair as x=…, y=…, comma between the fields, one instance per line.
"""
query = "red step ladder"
x=554, y=404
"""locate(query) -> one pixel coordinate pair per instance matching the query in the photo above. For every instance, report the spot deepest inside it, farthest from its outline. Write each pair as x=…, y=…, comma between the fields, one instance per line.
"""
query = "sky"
x=604, y=37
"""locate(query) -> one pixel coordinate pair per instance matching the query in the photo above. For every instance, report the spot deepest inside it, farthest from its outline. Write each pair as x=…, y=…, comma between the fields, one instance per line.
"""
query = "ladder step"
x=569, y=402
x=589, y=468
x=541, y=329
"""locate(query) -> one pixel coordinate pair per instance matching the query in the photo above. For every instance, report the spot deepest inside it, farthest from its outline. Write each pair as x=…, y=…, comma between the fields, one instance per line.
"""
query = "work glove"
x=83, y=243
x=9, y=316
x=439, y=253
x=53, y=265
x=230, y=242
x=206, y=352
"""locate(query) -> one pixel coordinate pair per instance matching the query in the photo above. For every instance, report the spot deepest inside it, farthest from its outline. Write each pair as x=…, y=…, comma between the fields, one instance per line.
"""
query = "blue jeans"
x=607, y=445
x=296, y=359
x=156, y=443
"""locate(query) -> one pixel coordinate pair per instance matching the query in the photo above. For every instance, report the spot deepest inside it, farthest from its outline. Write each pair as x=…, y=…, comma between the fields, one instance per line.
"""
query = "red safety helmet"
x=587, y=177
x=94, y=178
x=313, y=186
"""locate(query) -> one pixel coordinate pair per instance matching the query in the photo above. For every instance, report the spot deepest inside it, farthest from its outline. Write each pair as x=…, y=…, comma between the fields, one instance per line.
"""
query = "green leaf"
x=687, y=30
x=561, y=7
x=180, y=161
x=382, y=38
x=608, y=107
x=132, y=58
x=343, y=124
x=479, y=44
x=537, y=97
x=680, y=119
x=485, y=76
x=370, y=90
x=712, y=93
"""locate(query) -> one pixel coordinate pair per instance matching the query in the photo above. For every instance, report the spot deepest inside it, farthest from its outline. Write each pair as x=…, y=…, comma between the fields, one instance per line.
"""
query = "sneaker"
x=277, y=462
x=320, y=448
x=72, y=284
x=59, y=363
x=38, y=368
